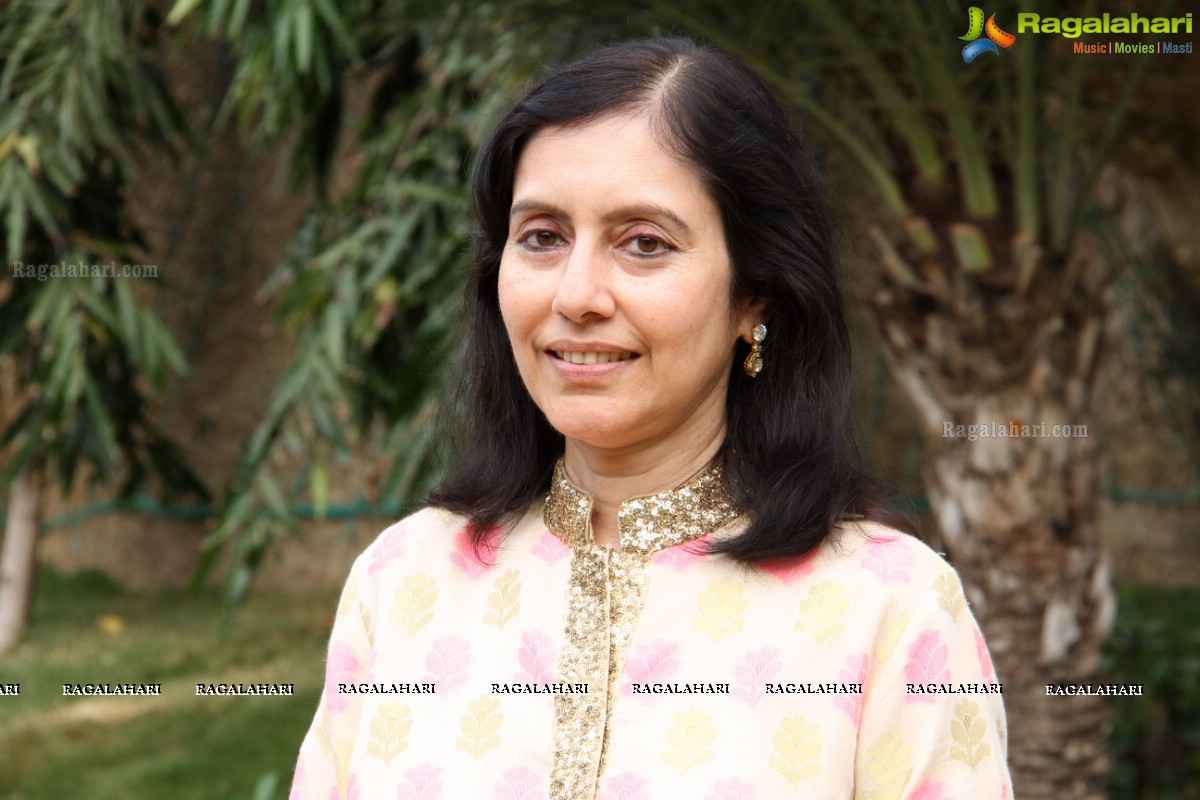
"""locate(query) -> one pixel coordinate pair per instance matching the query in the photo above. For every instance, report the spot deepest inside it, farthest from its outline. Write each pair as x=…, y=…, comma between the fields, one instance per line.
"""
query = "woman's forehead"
x=614, y=161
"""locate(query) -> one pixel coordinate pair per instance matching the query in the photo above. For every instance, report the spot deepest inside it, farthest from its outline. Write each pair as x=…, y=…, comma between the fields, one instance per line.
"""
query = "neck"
x=611, y=477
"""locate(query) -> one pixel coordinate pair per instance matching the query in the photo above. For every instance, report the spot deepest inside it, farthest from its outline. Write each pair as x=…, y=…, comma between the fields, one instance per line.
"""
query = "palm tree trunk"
x=1017, y=513
x=17, y=561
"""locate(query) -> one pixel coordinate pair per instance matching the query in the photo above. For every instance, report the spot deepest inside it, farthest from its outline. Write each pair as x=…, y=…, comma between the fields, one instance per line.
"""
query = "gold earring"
x=754, y=363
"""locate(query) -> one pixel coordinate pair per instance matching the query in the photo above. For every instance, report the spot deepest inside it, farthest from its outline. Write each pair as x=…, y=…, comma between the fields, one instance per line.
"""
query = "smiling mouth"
x=591, y=357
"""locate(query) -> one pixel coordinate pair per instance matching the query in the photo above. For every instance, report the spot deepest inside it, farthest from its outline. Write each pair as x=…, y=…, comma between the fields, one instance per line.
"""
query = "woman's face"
x=615, y=288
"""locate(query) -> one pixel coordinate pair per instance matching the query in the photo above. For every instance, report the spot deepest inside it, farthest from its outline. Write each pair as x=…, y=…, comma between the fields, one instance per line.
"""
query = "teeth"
x=592, y=357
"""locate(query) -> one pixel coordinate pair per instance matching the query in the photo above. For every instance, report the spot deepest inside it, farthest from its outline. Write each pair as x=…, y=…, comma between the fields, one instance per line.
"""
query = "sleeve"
x=323, y=765
x=933, y=725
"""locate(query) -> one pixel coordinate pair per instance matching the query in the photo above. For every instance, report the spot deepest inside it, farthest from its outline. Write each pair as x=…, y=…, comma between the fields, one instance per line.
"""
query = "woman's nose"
x=584, y=285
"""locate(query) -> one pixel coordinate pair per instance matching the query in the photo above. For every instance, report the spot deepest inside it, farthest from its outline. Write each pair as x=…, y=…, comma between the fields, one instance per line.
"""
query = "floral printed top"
x=563, y=670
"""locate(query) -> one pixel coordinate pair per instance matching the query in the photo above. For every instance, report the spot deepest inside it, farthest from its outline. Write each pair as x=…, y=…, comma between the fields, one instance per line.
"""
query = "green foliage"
x=79, y=92
x=291, y=61
x=1155, y=739
x=884, y=81
x=79, y=88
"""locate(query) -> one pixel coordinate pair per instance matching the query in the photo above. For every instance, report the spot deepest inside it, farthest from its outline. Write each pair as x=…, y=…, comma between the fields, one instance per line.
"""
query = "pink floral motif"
x=731, y=789
x=758, y=667
x=536, y=657
x=682, y=556
x=342, y=667
x=386, y=549
x=854, y=671
x=928, y=790
x=550, y=548
x=423, y=782
x=889, y=559
x=789, y=569
x=447, y=662
x=520, y=783
x=985, y=658
x=650, y=663
x=626, y=786
x=351, y=787
x=926, y=664
x=464, y=555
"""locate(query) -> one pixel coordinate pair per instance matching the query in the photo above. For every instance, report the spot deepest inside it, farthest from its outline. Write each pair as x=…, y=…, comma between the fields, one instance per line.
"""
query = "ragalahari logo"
x=996, y=38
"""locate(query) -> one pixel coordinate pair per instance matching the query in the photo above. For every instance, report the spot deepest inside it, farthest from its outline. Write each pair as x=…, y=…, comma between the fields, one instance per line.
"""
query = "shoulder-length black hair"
x=789, y=456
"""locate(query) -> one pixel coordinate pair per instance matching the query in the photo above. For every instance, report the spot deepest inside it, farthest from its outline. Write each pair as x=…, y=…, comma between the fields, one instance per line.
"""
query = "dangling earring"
x=754, y=363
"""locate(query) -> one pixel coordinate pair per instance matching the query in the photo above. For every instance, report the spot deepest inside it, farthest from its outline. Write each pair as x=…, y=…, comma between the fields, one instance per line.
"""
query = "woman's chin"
x=602, y=434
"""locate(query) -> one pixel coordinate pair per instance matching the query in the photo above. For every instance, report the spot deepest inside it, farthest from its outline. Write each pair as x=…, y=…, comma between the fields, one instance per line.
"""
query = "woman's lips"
x=591, y=356
x=583, y=364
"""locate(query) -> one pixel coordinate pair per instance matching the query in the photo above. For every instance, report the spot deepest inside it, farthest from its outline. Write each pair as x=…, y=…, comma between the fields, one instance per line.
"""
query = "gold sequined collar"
x=646, y=524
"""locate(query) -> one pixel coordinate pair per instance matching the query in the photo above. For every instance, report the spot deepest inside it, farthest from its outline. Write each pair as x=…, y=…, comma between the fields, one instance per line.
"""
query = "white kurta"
x=565, y=669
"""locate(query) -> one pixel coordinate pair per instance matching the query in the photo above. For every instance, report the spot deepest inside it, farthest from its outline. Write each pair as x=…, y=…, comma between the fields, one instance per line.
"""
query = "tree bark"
x=17, y=559
x=1017, y=513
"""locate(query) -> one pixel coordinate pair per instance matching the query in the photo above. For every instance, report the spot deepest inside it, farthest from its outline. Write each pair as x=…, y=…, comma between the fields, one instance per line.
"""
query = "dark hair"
x=790, y=459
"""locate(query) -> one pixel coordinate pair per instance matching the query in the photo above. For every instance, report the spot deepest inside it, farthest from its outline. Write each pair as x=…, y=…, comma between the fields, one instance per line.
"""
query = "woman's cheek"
x=508, y=292
x=519, y=308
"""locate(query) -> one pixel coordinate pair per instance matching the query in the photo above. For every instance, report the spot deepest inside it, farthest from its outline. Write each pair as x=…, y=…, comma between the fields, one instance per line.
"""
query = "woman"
x=655, y=568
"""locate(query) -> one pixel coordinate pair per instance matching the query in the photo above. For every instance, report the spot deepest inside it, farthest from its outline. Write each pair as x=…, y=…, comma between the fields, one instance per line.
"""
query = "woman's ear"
x=750, y=312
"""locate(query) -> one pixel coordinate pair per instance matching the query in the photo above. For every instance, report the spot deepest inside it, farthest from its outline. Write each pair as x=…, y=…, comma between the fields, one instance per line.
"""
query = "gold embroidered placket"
x=605, y=596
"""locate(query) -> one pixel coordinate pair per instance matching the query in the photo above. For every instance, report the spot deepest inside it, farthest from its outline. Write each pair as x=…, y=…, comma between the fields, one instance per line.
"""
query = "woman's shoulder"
x=429, y=536
x=426, y=524
x=883, y=559
x=879, y=576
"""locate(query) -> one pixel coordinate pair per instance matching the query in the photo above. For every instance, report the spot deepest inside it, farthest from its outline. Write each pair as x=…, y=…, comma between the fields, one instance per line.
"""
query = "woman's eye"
x=541, y=239
x=648, y=246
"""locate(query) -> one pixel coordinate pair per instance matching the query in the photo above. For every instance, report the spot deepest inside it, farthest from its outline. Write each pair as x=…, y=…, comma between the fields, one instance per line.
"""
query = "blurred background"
x=193, y=449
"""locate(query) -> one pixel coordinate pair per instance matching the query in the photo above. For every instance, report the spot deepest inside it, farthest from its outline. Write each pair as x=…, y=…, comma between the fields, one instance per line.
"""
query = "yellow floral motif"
x=797, y=745
x=721, y=607
x=691, y=739
x=369, y=627
x=349, y=600
x=823, y=611
x=481, y=726
x=321, y=734
x=503, y=599
x=950, y=595
x=389, y=732
x=890, y=637
x=968, y=732
x=414, y=602
x=889, y=765
x=1001, y=733
x=341, y=765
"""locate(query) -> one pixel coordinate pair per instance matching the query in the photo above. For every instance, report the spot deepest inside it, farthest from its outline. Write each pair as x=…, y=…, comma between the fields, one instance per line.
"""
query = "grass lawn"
x=85, y=629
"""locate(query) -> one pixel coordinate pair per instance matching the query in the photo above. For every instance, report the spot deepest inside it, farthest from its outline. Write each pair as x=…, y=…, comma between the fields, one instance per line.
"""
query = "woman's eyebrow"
x=649, y=211
x=527, y=206
x=644, y=210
